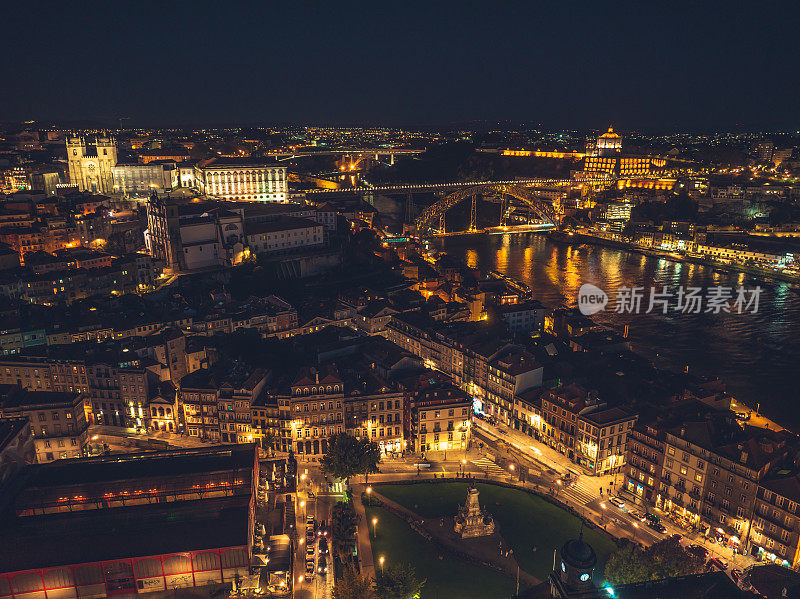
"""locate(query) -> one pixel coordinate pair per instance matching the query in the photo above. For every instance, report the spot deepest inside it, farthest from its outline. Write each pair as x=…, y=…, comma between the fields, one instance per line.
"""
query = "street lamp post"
x=374, y=527
x=380, y=561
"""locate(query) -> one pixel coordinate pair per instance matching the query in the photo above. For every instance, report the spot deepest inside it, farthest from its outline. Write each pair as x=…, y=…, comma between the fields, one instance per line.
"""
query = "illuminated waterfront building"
x=606, y=158
x=243, y=179
x=609, y=143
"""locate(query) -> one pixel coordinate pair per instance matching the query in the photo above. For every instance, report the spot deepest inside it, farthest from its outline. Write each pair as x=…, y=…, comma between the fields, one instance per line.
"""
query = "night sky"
x=647, y=65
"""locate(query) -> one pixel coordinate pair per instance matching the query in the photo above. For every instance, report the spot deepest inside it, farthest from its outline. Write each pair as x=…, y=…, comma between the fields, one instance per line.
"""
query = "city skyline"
x=393, y=301
x=577, y=66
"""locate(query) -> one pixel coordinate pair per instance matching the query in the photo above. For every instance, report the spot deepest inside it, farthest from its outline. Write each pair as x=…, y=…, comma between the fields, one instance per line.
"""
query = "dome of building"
x=609, y=143
x=609, y=134
x=578, y=554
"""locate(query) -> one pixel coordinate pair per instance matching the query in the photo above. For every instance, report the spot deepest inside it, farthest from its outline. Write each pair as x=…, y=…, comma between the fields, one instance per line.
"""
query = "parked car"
x=310, y=567
x=323, y=546
x=322, y=566
x=698, y=550
x=716, y=562
x=616, y=502
x=657, y=526
x=310, y=536
x=310, y=551
x=677, y=537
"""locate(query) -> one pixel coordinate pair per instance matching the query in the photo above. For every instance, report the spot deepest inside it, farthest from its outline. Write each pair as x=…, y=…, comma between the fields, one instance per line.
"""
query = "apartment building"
x=579, y=425
x=437, y=414
x=775, y=531
x=198, y=398
x=378, y=416
x=712, y=468
x=270, y=423
x=475, y=355
x=234, y=406
x=57, y=420
x=645, y=462
x=326, y=401
x=443, y=419
x=507, y=377
x=316, y=410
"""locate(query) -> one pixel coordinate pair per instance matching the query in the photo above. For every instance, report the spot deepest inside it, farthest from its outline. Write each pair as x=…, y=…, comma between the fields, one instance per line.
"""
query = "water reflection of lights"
x=501, y=257
x=472, y=258
x=527, y=264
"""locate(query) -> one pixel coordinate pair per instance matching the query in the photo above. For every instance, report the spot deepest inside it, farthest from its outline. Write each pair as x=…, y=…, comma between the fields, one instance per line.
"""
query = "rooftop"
x=96, y=535
x=9, y=429
x=12, y=396
x=283, y=223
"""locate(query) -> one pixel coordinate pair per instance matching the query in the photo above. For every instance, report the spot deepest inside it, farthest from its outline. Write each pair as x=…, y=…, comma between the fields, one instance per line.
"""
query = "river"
x=755, y=354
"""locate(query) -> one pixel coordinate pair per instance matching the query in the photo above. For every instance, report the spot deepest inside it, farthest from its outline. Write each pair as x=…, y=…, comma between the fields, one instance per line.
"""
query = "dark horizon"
x=681, y=67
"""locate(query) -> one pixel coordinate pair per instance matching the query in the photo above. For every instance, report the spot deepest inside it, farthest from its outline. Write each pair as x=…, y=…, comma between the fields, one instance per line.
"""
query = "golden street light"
x=374, y=527
x=381, y=560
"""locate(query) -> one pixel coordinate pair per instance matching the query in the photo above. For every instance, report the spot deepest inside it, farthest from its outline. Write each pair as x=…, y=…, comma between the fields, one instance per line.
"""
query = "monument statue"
x=471, y=520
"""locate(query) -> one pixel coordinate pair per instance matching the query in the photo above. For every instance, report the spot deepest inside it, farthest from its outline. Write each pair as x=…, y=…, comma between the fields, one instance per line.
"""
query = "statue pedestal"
x=471, y=520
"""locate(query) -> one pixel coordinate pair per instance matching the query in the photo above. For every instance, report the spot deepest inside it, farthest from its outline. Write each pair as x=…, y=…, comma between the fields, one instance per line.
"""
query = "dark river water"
x=758, y=355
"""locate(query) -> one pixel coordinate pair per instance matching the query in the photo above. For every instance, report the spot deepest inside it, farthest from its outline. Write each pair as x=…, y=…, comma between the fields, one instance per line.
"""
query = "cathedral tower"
x=91, y=166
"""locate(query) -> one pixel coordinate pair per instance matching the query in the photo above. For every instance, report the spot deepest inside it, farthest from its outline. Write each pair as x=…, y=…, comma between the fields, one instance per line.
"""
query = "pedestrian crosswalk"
x=576, y=494
x=489, y=466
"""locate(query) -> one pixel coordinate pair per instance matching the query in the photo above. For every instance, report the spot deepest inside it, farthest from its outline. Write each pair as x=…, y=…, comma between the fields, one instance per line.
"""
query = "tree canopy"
x=343, y=528
x=664, y=559
x=352, y=585
x=348, y=456
x=398, y=581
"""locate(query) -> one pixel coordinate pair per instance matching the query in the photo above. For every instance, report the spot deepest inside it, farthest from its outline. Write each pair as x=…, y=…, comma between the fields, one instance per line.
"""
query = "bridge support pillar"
x=409, y=207
x=473, y=224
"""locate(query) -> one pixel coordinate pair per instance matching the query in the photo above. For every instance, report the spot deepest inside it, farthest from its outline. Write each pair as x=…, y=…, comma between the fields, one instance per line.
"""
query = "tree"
x=398, y=581
x=348, y=456
x=664, y=559
x=351, y=585
x=344, y=523
x=269, y=440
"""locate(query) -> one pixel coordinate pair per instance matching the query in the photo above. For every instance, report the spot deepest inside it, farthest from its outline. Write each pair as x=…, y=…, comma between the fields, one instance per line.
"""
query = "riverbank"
x=751, y=405
x=582, y=237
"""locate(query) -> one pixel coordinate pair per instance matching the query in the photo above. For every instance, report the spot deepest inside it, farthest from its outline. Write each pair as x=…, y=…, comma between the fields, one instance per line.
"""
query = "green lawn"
x=523, y=520
x=447, y=578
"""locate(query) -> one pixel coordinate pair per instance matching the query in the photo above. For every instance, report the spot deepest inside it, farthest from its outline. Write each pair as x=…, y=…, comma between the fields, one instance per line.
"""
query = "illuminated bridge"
x=434, y=187
x=362, y=152
x=431, y=221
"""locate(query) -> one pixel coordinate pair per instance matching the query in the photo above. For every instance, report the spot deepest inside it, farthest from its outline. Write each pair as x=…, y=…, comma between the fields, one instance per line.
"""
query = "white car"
x=616, y=502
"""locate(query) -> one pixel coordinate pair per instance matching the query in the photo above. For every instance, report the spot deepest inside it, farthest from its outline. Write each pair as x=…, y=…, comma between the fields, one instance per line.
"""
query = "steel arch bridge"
x=432, y=218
